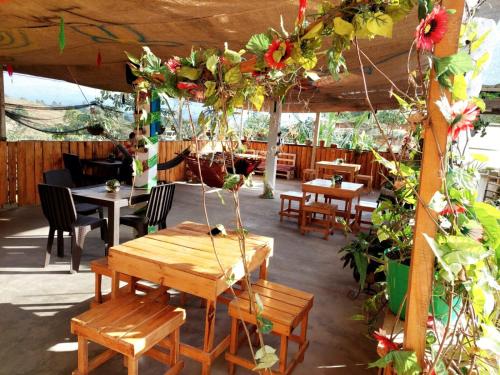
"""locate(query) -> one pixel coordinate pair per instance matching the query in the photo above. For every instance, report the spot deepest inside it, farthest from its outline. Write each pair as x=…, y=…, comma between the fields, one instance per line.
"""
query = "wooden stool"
x=100, y=268
x=286, y=308
x=290, y=196
x=366, y=179
x=326, y=225
x=363, y=206
x=308, y=175
x=130, y=325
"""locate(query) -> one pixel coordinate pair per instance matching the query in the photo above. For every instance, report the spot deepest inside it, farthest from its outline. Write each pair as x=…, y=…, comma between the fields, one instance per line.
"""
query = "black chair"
x=59, y=210
x=74, y=165
x=157, y=209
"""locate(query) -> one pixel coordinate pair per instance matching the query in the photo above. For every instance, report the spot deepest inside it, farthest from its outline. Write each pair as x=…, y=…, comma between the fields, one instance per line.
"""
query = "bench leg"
x=98, y=283
x=281, y=210
x=283, y=353
x=83, y=356
x=133, y=366
x=303, y=335
x=233, y=344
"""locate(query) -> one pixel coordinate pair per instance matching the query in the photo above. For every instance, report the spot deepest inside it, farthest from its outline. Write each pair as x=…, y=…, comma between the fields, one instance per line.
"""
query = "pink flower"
x=463, y=116
x=173, y=65
x=277, y=53
x=432, y=28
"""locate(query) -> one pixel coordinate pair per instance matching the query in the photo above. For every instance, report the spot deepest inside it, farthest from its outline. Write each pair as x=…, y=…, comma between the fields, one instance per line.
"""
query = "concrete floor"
x=36, y=303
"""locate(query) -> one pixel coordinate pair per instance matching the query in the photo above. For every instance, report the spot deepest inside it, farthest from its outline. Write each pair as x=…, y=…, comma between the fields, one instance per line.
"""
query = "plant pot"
x=397, y=286
x=321, y=143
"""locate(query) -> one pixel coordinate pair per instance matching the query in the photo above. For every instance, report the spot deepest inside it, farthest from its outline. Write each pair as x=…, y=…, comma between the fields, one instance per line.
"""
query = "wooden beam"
x=315, y=139
x=431, y=179
x=3, y=125
x=272, y=143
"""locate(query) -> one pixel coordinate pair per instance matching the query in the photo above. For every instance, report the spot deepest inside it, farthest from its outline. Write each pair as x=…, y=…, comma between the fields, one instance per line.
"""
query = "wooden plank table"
x=113, y=202
x=334, y=167
x=182, y=258
x=346, y=191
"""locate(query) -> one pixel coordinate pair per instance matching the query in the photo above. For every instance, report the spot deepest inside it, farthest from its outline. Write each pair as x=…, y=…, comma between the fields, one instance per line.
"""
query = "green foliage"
x=265, y=357
x=449, y=66
x=404, y=362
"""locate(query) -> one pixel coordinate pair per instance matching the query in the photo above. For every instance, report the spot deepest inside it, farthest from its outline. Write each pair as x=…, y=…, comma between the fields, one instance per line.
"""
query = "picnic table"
x=113, y=202
x=347, y=191
x=335, y=167
x=182, y=257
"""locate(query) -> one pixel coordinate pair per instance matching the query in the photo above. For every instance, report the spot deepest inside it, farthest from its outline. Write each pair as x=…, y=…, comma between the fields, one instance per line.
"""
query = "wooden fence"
x=304, y=156
x=22, y=164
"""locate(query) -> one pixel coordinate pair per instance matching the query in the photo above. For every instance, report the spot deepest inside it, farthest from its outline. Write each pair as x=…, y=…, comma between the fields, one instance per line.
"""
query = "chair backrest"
x=74, y=165
x=159, y=204
x=58, y=177
x=57, y=206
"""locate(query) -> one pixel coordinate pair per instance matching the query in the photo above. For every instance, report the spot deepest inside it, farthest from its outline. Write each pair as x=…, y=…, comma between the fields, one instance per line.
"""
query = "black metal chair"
x=59, y=210
x=74, y=165
x=157, y=209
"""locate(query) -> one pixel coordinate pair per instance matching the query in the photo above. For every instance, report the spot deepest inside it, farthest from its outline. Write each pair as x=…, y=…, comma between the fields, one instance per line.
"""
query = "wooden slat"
x=30, y=187
x=38, y=167
x=12, y=171
x=21, y=173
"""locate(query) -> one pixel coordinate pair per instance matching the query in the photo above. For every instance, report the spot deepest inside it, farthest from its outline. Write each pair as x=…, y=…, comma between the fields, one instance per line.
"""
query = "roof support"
x=3, y=125
x=315, y=139
x=431, y=179
x=272, y=150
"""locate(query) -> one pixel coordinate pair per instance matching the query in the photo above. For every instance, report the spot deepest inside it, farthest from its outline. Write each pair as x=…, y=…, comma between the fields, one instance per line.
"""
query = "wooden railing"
x=22, y=164
x=304, y=155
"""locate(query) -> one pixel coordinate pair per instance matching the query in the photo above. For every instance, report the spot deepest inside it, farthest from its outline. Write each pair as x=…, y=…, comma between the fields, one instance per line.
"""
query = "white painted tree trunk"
x=315, y=140
x=272, y=148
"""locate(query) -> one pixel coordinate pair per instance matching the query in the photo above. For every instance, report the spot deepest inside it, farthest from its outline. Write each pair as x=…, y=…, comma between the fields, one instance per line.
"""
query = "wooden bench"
x=130, y=325
x=285, y=165
x=286, y=308
x=362, y=206
x=289, y=211
x=324, y=225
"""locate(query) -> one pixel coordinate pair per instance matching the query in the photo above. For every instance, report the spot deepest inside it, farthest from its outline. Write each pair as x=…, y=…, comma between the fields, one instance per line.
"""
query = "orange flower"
x=277, y=53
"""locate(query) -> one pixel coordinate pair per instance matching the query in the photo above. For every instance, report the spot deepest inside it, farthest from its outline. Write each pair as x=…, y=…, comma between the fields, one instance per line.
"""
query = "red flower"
x=173, y=65
x=385, y=342
x=10, y=70
x=463, y=115
x=187, y=86
x=302, y=11
x=432, y=28
x=277, y=53
x=455, y=209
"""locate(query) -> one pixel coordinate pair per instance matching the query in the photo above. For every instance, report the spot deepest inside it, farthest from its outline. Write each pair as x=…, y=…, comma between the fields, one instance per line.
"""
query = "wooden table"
x=334, y=167
x=346, y=191
x=113, y=202
x=182, y=258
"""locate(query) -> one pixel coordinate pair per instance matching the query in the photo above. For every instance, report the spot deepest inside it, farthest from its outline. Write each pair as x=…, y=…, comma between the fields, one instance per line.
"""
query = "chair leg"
x=283, y=353
x=83, y=356
x=100, y=212
x=60, y=244
x=98, y=292
x=104, y=235
x=50, y=241
x=233, y=344
x=133, y=366
x=77, y=241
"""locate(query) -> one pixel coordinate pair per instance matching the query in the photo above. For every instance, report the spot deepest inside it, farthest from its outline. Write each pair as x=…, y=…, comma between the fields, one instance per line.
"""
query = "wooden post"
x=315, y=139
x=3, y=125
x=431, y=178
x=179, y=119
x=272, y=143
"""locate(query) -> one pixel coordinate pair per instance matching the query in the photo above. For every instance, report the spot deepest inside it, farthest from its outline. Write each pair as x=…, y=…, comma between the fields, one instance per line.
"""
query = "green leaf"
x=361, y=265
x=485, y=57
x=62, y=37
x=490, y=340
x=190, y=73
x=477, y=43
x=210, y=85
x=453, y=65
x=257, y=99
x=265, y=357
x=404, y=362
x=265, y=325
x=232, y=56
x=231, y=181
x=314, y=31
x=463, y=250
x=211, y=63
x=401, y=101
x=233, y=75
x=459, y=87
x=380, y=24
x=489, y=217
x=132, y=58
x=342, y=27
x=258, y=44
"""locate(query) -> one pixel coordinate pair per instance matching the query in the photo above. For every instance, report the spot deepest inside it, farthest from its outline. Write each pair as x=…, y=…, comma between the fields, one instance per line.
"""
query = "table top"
x=182, y=258
x=323, y=164
x=99, y=195
x=103, y=162
x=322, y=183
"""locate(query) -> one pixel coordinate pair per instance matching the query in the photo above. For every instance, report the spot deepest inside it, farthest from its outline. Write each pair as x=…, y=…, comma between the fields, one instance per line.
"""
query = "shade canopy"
x=29, y=42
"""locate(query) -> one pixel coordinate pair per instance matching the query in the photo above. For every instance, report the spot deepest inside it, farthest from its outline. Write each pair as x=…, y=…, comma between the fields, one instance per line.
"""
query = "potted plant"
x=112, y=186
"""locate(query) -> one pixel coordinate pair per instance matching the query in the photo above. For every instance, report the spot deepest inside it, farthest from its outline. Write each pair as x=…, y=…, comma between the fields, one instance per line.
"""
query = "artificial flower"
x=432, y=28
x=302, y=11
x=384, y=341
x=173, y=65
x=454, y=209
x=463, y=115
x=187, y=86
x=277, y=53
